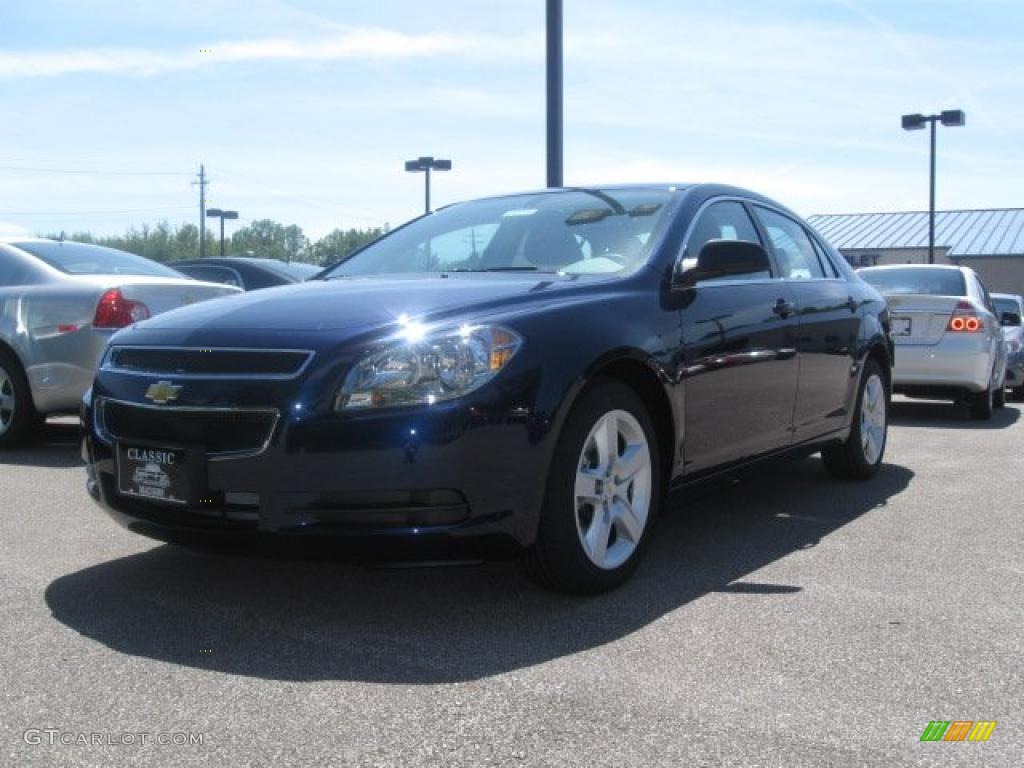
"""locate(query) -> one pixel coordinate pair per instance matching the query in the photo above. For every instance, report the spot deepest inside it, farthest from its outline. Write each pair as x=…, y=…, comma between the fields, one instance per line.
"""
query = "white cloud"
x=353, y=43
x=12, y=230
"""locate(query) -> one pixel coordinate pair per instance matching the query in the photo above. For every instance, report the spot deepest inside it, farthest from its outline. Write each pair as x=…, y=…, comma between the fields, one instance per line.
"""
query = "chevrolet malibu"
x=538, y=370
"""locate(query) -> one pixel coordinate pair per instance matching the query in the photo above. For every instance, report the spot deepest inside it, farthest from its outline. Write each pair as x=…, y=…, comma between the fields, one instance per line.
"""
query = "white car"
x=949, y=342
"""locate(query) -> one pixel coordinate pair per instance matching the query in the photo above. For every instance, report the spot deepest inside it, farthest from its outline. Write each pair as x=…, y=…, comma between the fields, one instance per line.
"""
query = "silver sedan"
x=949, y=344
x=59, y=304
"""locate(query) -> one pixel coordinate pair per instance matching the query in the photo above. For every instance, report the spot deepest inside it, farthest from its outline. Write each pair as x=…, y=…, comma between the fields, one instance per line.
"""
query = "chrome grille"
x=208, y=363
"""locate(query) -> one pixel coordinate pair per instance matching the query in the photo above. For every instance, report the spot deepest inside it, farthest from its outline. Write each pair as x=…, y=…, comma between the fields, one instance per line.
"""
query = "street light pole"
x=952, y=118
x=931, y=199
x=426, y=165
x=217, y=213
x=554, y=92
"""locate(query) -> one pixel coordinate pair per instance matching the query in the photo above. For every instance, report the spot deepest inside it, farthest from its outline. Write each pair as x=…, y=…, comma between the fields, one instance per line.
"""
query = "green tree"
x=341, y=242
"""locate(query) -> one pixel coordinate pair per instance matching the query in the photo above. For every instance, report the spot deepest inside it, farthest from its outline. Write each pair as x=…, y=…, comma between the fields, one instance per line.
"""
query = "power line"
x=95, y=212
x=84, y=172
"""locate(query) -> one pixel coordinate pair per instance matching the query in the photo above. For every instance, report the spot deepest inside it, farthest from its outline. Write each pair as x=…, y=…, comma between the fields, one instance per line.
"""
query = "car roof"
x=229, y=260
x=703, y=189
x=912, y=266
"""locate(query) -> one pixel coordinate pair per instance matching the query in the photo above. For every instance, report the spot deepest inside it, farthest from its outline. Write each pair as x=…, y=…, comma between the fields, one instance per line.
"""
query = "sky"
x=305, y=111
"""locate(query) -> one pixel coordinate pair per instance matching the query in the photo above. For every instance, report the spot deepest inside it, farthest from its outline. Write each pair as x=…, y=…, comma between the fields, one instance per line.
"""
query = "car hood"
x=350, y=305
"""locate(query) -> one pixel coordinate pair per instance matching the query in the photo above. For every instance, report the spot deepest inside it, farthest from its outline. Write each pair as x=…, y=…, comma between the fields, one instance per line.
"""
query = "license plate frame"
x=902, y=326
x=163, y=474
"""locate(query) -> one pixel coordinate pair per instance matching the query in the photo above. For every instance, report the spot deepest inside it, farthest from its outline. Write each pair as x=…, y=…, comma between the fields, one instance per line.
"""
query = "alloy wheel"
x=6, y=400
x=613, y=489
x=873, y=419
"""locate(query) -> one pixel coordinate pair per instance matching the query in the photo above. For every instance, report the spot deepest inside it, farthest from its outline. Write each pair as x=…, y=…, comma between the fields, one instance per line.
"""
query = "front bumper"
x=472, y=469
x=963, y=361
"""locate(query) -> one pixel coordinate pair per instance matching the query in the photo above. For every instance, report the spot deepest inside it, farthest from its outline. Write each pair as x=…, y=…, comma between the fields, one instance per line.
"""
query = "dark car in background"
x=537, y=369
x=1010, y=309
x=246, y=272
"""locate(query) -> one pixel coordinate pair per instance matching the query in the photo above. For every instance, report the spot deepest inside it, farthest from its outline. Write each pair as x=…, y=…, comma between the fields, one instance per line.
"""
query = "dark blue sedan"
x=536, y=370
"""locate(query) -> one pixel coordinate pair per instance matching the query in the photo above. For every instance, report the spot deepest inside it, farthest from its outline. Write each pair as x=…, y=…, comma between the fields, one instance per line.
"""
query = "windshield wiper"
x=495, y=269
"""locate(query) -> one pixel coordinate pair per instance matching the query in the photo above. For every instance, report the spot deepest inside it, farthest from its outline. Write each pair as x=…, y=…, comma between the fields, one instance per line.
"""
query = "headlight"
x=421, y=367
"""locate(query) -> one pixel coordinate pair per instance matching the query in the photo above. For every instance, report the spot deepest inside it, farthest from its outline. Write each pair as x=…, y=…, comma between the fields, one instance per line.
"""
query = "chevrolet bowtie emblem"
x=162, y=392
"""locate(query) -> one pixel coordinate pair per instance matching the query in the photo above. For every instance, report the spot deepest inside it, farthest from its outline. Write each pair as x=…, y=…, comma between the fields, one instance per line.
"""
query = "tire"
x=1017, y=393
x=18, y=417
x=861, y=455
x=593, y=531
x=982, y=404
x=999, y=398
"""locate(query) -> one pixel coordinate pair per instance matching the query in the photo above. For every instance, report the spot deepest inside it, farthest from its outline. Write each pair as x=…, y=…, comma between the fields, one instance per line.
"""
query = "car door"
x=739, y=366
x=828, y=325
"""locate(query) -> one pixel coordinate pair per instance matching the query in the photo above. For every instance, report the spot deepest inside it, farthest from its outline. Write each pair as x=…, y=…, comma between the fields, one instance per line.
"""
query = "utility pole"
x=202, y=210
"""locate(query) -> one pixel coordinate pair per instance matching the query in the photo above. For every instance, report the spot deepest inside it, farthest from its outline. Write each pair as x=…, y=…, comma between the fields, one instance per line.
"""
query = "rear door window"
x=793, y=249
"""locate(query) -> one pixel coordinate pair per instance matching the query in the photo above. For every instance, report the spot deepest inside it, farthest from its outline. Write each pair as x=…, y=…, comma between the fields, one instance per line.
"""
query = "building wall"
x=881, y=256
x=1000, y=274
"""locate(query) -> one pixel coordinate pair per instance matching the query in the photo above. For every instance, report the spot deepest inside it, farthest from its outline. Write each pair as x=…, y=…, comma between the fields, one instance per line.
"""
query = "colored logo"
x=958, y=730
x=162, y=392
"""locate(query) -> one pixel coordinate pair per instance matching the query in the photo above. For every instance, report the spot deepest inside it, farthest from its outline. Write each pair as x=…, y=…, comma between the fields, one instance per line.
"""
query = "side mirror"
x=724, y=259
x=1010, y=319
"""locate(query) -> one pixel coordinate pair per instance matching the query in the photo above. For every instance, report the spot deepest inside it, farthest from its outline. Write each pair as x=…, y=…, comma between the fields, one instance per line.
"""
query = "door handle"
x=852, y=303
x=784, y=308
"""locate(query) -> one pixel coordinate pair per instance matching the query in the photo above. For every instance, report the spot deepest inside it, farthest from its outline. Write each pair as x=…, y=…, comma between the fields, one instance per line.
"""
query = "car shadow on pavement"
x=57, y=446
x=300, y=620
x=944, y=415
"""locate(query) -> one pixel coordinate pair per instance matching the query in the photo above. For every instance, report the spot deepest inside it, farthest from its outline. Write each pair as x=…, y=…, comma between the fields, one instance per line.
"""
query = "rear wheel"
x=17, y=414
x=861, y=455
x=1017, y=393
x=982, y=404
x=999, y=397
x=604, y=491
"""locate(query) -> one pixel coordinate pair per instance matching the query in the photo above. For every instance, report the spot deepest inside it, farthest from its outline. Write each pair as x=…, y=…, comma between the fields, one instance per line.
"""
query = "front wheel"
x=604, y=491
x=861, y=455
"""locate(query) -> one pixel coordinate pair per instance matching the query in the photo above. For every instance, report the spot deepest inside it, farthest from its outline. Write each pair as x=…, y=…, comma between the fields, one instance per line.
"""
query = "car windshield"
x=1006, y=305
x=917, y=280
x=85, y=259
x=575, y=232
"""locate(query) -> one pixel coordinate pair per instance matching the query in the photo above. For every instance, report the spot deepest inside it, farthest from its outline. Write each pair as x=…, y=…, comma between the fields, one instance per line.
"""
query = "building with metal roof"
x=990, y=241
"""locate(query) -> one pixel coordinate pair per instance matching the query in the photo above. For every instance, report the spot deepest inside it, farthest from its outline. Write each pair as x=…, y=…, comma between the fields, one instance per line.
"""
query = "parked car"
x=246, y=272
x=538, y=369
x=1010, y=309
x=60, y=302
x=948, y=338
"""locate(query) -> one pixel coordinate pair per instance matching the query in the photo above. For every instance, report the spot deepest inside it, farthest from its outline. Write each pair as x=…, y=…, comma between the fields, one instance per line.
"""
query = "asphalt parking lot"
x=783, y=620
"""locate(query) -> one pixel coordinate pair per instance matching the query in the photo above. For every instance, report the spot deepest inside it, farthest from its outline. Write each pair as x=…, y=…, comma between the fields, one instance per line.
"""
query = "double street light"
x=217, y=213
x=952, y=118
x=426, y=165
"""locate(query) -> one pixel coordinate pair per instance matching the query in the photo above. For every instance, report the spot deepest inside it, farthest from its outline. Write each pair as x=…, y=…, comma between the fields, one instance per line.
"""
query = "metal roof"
x=990, y=232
